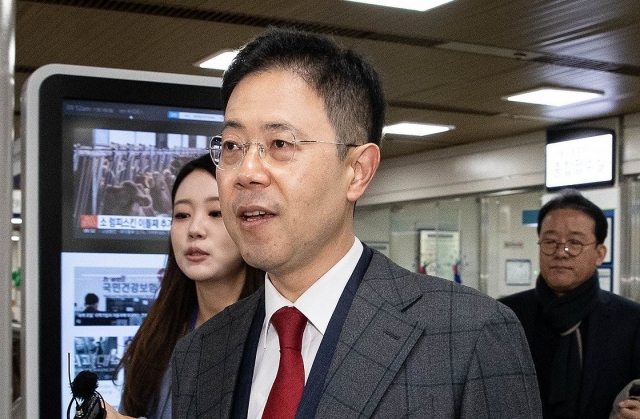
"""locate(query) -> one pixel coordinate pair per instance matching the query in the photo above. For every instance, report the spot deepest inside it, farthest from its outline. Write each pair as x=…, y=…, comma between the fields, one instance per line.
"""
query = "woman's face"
x=201, y=244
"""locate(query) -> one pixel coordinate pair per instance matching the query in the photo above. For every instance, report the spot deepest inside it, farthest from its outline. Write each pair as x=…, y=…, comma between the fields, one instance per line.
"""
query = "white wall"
x=631, y=144
x=508, y=240
x=488, y=166
x=396, y=229
x=373, y=224
x=509, y=163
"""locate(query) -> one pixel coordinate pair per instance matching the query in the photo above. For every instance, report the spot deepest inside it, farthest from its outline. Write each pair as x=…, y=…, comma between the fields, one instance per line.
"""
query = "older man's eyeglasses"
x=571, y=247
x=276, y=149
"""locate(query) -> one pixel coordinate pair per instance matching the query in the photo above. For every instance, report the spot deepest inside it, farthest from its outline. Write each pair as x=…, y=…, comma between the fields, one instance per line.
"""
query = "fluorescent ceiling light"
x=419, y=5
x=218, y=61
x=418, y=130
x=553, y=96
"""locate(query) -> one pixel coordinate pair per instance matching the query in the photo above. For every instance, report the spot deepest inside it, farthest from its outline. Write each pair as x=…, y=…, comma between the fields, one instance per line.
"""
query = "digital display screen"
x=125, y=157
x=102, y=147
x=579, y=158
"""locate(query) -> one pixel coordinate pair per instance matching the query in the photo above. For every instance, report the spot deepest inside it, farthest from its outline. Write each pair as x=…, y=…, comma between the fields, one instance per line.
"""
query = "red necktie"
x=287, y=388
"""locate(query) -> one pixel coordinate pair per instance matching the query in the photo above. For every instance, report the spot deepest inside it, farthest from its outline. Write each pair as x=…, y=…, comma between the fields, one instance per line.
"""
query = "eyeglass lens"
x=275, y=148
x=571, y=247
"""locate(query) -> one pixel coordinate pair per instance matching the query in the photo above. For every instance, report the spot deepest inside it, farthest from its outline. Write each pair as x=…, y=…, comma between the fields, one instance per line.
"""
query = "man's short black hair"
x=348, y=84
x=91, y=299
x=573, y=199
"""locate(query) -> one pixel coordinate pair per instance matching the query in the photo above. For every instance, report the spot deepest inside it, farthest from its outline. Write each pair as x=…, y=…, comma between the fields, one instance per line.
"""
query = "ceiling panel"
x=450, y=65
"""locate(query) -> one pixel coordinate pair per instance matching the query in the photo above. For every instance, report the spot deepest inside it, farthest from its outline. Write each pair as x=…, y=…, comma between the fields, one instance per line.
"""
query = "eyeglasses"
x=276, y=149
x=571, y=247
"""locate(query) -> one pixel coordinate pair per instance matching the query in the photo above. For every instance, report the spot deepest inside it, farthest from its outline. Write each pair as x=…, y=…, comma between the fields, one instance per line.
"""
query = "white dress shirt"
x=318, y=304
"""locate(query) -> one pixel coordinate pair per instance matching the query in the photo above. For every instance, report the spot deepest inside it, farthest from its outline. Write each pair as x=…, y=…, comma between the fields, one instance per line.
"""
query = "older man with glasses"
x=585, y=342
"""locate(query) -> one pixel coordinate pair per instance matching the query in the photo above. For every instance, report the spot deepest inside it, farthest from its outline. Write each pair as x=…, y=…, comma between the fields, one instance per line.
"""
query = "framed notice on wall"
x=604, y=275
x=440, y=253
x=518, y=271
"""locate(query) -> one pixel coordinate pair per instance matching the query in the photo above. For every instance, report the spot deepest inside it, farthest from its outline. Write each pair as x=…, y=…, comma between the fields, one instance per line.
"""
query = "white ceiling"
x=449, y=66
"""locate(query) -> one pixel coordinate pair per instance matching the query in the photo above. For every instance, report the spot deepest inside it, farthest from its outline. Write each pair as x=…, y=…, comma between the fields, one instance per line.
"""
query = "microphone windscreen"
x=85, y=384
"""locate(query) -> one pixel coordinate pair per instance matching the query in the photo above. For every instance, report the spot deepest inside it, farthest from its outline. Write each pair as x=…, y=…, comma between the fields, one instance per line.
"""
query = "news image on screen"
x=100, y=354
x=96, y=353
x=104, y=300
x=113, y=296
x=125, y=159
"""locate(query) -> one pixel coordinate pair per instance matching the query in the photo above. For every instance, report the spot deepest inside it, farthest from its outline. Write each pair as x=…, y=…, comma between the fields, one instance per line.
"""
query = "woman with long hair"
x=204, y=274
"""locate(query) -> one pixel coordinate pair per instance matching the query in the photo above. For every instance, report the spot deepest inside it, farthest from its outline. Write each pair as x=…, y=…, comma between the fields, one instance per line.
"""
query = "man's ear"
x=364, y=161
x=602, y=253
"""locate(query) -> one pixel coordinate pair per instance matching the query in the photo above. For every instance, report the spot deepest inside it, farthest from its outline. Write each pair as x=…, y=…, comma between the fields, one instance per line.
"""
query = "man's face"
x=561, y=271
x=293, y=218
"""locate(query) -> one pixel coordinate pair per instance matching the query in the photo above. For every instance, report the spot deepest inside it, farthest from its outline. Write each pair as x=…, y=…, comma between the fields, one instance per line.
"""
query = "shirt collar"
x=318, y=302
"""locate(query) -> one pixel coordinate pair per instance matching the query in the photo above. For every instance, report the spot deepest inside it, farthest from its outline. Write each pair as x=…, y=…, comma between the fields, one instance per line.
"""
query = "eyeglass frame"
x=566, y=246
x=262, y=150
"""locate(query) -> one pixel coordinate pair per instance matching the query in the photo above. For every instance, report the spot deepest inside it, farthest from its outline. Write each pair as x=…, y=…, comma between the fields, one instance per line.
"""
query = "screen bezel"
x=77, y=83
x=559, y=135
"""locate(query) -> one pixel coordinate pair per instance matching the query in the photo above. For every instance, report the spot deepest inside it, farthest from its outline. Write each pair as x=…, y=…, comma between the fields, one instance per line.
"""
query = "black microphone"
x=91, y=404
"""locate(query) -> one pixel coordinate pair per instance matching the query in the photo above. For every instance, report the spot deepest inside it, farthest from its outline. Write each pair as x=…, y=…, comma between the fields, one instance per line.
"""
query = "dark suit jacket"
x=412, y=346
x=611, y=352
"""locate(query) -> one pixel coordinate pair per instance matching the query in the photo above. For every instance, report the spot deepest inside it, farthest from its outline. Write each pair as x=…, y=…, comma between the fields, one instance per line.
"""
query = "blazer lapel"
x=374, y=343
x=222, y=349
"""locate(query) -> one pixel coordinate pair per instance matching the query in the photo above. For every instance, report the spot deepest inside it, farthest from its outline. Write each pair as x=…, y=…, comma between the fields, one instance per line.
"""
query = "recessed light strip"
x=218, y=61
x=418, y=5
x=415, y=129
x=552, y=96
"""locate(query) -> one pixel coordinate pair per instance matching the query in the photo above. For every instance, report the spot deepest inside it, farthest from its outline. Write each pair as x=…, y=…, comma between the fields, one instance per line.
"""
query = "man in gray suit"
x=299, y=146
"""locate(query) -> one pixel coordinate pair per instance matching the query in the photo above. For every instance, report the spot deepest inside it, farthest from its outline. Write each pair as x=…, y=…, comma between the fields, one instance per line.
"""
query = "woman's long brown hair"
x=147, y=358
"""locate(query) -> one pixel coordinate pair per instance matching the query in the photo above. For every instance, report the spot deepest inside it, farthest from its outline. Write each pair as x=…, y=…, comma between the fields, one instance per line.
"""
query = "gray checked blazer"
x=412, y=346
